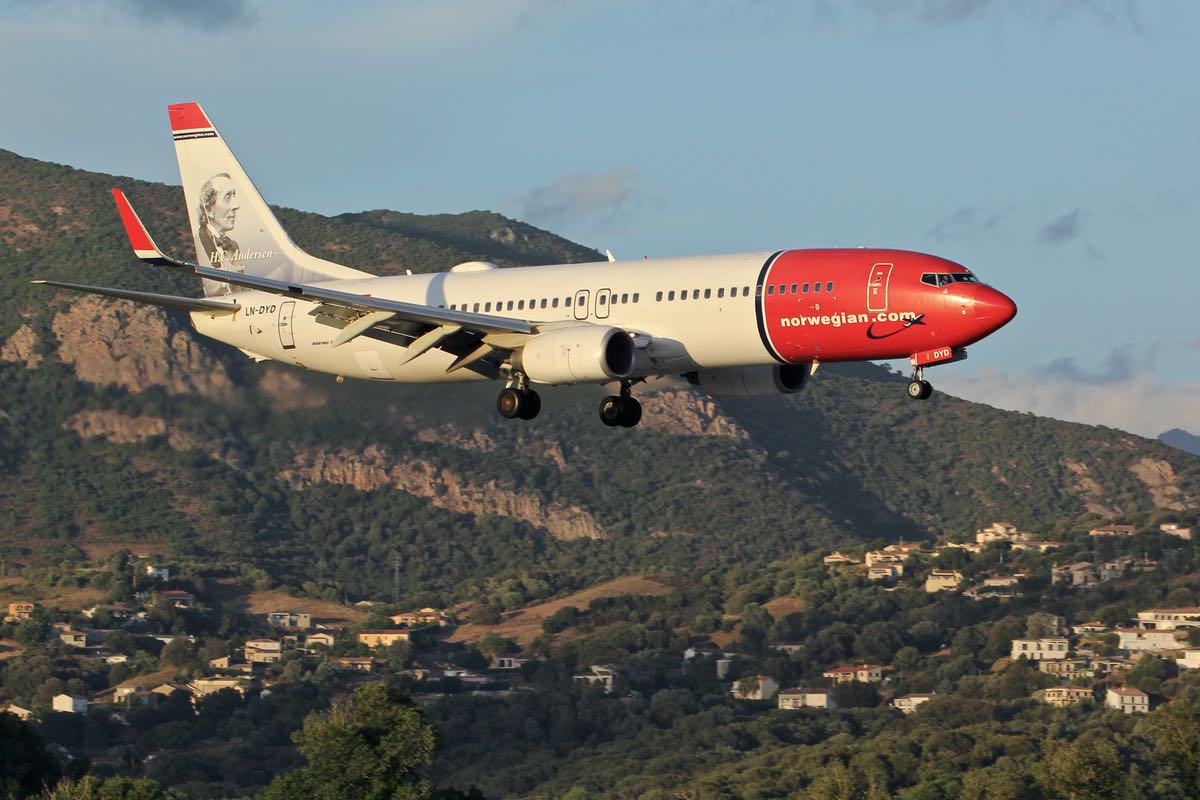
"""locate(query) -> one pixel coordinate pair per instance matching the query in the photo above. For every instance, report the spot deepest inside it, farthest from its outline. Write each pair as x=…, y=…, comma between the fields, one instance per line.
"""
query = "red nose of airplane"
x=994, y=308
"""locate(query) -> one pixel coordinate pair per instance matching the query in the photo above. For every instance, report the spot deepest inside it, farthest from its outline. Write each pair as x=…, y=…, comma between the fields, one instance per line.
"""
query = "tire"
x=631, y=412
x=509, y=403
x=926, y=390
x=531, y=404
x=916, y=389
x=611, y=411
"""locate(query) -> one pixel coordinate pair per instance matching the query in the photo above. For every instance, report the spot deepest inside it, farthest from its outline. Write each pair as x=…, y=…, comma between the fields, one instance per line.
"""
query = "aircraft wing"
x=376, y=309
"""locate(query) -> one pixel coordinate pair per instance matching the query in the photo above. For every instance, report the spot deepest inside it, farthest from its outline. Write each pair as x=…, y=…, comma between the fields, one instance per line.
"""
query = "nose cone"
x=994, y=308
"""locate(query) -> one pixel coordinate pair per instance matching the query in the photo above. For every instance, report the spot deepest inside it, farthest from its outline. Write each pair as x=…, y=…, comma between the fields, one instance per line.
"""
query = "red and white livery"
x=742, y=324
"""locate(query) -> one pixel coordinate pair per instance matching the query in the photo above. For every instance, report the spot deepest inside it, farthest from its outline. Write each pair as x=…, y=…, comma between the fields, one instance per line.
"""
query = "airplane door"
x=603, y=299
x=877, y=287
x=581, y=304
x=287, y=337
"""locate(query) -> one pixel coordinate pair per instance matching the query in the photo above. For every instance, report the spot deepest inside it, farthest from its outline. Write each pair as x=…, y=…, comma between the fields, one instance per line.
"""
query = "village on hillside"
x=169, y=639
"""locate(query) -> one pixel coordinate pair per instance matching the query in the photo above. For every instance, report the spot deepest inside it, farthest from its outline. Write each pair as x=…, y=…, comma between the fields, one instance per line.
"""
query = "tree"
x=1086, y=769
x=1175, y=731
x=25, y=764
x=367, y=746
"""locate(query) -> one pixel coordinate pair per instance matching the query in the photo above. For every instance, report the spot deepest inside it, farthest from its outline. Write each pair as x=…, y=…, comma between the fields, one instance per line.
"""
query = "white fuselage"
x=714, y=327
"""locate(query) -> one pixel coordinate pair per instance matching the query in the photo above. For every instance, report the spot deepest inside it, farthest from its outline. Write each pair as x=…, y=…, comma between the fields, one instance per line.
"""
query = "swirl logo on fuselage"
x=904, y=325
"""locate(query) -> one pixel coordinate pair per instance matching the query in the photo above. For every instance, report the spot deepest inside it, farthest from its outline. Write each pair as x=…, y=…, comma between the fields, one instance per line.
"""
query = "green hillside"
x=117, y=424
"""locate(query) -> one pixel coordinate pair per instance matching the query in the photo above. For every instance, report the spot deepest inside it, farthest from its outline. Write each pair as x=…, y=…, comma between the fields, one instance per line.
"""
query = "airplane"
x=739, y=325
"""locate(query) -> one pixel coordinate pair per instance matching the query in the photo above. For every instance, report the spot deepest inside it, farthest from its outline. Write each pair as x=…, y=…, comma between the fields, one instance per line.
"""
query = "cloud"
x=208, y=15
x=967, y=222
x=604, y=199
x=1063, y=229
x=1121, y=393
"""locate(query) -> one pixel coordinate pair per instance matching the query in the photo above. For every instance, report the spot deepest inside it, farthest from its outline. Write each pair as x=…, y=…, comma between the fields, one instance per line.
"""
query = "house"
x=1190, y=659
x=357, y=664
x=426, y=616
x=755, y=687
x=705, y=648
x=837, y=559
x=1127, y=700
x=875, y=557
x=117, y=612
x=1141, y=640
x=322, y=638
x=910, y=702
x=943, y=580
x=20, y=713
x=73, y=638
x=1110, y=570
x=1040, y=649
x=1111, y=665
x=792, y=699
x=974, y=548
x=1004, y=581
x=1168, y=619
x=382, y=638
x=289, y=619
x=509, y=661
x=175, y=597
x=1081, y=573
x=158, y=573
x=115, y=658
x=1175, y=529
x=1090, y=628
x=1001, y=532
x=1066, y=667
x=262, y=651
x=202, y=687
x=69, y=704
x=601, y=675
x=1113, y=530
x=1063, y=696
x=20, y=611
x=1041, y=546
x=885, y=572
x=864, y=673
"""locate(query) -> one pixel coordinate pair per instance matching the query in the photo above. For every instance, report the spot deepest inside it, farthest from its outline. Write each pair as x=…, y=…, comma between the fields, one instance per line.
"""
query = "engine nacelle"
x=751, y=381
x=578, y=354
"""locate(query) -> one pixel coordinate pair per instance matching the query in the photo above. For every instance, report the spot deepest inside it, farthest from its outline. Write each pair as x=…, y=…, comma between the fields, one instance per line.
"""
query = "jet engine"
x=751, y=381
x=578, y=354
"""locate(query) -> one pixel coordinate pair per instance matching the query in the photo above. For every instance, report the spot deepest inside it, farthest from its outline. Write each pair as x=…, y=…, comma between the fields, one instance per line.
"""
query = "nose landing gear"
x=621, y=409
x=918, y=387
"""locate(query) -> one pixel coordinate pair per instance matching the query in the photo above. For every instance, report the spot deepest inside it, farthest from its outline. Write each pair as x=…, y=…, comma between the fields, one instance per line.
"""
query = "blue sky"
x=1051, y=145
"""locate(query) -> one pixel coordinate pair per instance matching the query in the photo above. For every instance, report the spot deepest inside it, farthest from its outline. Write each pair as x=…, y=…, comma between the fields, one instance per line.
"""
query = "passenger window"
x=520, y=305
x=603, y=300
x=554, y=302
x=476, y=308
x=487, y=306
x=670, y=295
x=733, y=291
x=658, y=297
x=635, y=297
x=707, y=294
x=720, y=292
x=829, y=286
x=567, y=302
x=624, y=299
x=758, y=290
x=745, y=291
x=795, y=289
x=683, y=295
x=816, y=287
x=543, y=302
x=771, y=289
x=510, y=305
x=804, y=288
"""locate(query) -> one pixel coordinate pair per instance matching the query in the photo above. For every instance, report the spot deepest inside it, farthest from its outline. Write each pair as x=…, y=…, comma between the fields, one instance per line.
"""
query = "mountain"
x=1181, y=439
x=118, y=426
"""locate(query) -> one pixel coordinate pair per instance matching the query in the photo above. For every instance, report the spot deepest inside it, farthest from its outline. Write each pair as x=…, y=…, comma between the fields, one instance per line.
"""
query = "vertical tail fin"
x=232, y=225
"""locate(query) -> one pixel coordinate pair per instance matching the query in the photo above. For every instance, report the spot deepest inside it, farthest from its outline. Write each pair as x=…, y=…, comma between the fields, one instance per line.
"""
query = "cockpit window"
x=929, y=278
x=964, y=277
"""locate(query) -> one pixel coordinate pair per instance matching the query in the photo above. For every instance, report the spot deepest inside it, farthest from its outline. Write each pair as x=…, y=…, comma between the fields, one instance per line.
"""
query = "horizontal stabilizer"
x=164, y=300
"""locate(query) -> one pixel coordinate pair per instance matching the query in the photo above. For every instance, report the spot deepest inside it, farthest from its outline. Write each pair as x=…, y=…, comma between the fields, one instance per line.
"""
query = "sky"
x=1052, y=146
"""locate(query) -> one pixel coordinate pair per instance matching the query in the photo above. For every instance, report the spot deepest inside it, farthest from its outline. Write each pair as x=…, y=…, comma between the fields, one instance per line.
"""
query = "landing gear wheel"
x=926, y=390
x=509, y=403
x=623, y=411
x=531, y=404
x=920, y=390
x=611, y=411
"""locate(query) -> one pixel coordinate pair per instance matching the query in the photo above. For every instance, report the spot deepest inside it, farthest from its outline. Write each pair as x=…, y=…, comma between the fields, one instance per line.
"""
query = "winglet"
x=139, y=238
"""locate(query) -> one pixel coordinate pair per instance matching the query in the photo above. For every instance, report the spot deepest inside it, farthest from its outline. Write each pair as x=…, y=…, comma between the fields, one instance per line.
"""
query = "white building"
x=1175, y=529
x=791, y=699
x=1040, y=649
x=602, y=675
x=263, y=651
x=1127, y=699
x=1140, y=640
x=755, y=687
x=1168, y=619
x=910, y=702
x=864, y=673
x=158, y=573
x=1191, y=658
x=1063, y=696
x=943, y=580
x=69, y=704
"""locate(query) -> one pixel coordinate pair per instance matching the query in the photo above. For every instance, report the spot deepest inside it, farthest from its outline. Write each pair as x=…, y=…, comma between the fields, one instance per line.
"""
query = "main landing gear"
x=621, y=409
x=518, y=401
x=918, y=387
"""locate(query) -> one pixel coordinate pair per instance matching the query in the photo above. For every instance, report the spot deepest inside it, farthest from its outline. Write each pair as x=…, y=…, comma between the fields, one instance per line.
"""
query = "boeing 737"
x=733, y=325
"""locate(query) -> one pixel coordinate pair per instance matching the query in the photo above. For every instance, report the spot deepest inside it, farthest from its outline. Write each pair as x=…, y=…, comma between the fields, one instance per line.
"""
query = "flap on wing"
x=164, y=300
